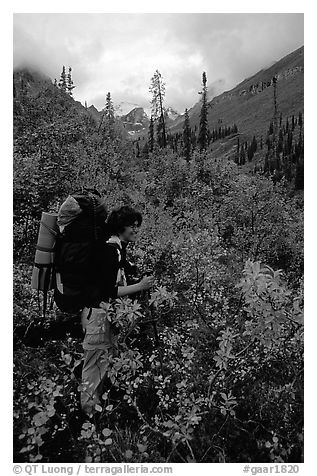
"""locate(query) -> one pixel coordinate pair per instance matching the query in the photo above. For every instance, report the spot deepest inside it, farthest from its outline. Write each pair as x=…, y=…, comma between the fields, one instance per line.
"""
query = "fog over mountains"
x=249, y=104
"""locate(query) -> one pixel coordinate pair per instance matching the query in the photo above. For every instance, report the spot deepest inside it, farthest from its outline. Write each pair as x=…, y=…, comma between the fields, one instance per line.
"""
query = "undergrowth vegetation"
x=210, y=367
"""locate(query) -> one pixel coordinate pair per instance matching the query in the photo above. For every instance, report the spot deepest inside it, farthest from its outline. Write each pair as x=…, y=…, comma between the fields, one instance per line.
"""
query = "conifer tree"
x=280, y=142
x=109, y=111
x=107, y=119
x=238, y=152
x=151, y=135
x=249, y=153
x=275, y=115
x=157, y=88
x=70, y=85
x=299, y=174
x=242, y=156
x=290, y=142
x=293, y=122
x=187, y=136
x=161, y=138
x=63, y=81
x=203, y=124
x=272, y=147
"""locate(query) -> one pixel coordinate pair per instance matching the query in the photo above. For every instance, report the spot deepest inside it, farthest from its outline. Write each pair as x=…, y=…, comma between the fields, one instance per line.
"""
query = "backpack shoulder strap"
x=117, y=247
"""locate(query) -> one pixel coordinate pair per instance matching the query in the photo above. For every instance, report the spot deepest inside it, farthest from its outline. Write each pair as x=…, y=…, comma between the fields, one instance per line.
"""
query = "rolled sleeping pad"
x=44, y=255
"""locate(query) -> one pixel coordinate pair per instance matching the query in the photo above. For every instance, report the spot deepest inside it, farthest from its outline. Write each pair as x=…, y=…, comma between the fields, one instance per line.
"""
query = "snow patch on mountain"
x=123, y=108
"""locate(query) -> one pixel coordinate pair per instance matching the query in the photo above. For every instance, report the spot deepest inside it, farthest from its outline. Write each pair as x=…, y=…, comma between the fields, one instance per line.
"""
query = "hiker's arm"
x=146, y=283
x=131, y=289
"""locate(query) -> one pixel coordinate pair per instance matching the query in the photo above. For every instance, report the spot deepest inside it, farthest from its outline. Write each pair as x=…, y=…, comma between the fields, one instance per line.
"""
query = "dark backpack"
x=76, y=253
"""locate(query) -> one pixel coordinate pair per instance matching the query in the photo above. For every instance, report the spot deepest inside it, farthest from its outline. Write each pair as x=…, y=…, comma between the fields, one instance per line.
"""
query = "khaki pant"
x=99, y=343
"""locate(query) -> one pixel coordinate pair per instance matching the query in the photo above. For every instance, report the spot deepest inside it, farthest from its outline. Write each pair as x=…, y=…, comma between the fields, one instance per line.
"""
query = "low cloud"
x=120, y=52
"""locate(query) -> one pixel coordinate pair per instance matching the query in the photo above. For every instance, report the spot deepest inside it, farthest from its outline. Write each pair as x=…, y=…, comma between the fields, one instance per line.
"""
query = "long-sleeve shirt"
x=109, y=272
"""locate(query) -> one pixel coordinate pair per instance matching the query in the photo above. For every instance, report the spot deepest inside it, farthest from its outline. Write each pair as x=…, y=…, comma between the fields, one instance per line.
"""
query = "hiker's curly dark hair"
x=121, y=217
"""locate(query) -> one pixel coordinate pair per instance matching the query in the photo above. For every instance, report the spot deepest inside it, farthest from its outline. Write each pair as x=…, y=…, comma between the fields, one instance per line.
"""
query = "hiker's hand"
x=146, y=282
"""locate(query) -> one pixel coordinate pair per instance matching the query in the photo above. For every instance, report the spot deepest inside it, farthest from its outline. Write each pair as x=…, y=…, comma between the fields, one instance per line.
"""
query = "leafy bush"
x=210, y=363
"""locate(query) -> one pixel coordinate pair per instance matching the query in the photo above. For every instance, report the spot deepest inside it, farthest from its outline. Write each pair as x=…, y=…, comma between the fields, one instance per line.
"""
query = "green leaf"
x=108, y=441
x=106, y=432
x=98, y=408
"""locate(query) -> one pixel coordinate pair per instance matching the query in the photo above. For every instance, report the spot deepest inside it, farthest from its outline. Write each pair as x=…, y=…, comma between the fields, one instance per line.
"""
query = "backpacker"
x=81, y=221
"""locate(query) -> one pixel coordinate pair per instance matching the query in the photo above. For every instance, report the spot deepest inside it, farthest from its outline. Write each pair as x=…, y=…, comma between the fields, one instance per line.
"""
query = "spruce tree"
x=157, y=88
x=280, y=142
x=250, y=153
x=151, y=135
x=160, y=134
x=107, y=119
x=203, y=124
x=272, y=148
x=70, y=85
x=275, y=115
x=109, y=112
x=63, y=82
x=299, y=175
x=238, y=152
x=187, y=136
x=242, y=156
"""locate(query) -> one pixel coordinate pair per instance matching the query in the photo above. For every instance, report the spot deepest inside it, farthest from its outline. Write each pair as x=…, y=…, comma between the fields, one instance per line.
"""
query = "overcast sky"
x=120, y=52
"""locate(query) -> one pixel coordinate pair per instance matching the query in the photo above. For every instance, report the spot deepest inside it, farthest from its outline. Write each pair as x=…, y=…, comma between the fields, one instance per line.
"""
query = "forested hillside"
x=222, y=381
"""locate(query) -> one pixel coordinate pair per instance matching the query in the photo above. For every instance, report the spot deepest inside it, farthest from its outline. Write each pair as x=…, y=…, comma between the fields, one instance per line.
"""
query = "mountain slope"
x=250, y=103
x=135, y=121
